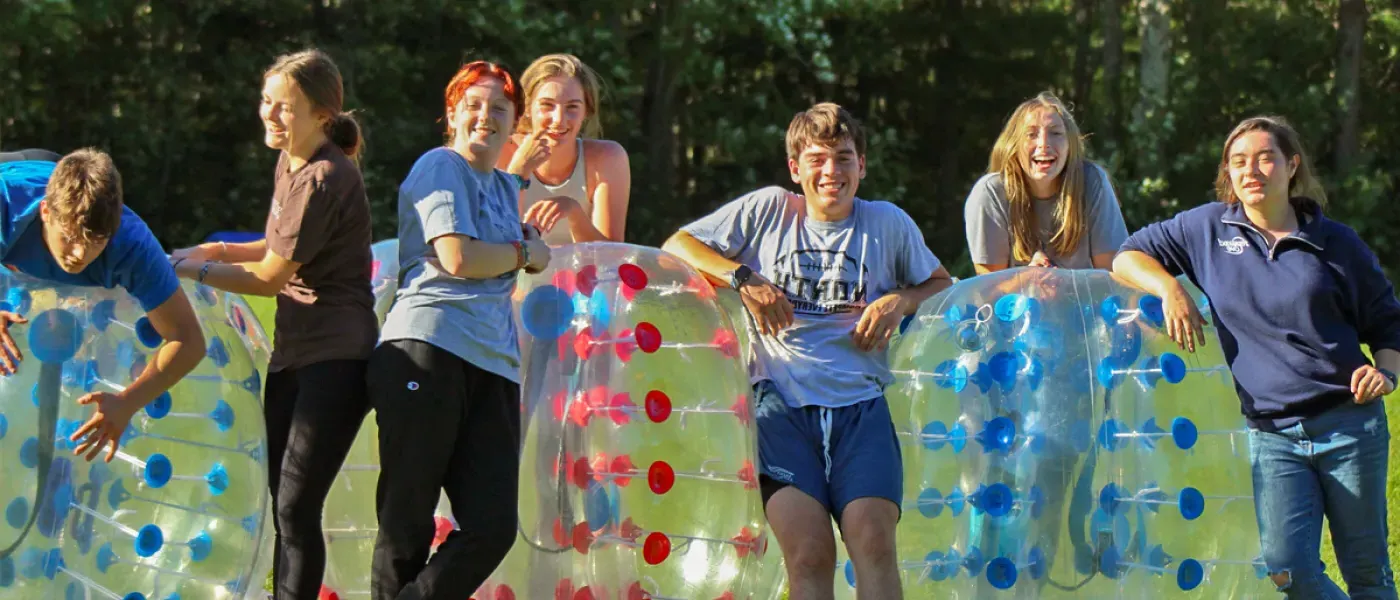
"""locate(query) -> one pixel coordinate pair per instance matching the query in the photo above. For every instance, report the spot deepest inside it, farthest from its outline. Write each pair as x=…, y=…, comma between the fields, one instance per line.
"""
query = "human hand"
x=1182, y=319
x=1367, y=384
x=767, y=303
x=878, y=322
x=539, y=256
x=107, y=424
x=10, y=356
x=1039, y=259
x=533, y=151
x=546, y=213
x=202, y=252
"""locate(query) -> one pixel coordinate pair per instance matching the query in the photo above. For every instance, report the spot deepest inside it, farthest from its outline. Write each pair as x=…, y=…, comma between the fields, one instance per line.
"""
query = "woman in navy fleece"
x=1294, y=296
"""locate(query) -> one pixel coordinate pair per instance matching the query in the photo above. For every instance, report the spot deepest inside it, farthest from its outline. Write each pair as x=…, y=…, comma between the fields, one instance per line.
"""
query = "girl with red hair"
x=444, y=380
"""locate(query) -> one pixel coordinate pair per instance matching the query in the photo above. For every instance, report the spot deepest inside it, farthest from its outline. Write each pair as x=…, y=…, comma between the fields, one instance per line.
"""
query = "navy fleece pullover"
x=1291, y=318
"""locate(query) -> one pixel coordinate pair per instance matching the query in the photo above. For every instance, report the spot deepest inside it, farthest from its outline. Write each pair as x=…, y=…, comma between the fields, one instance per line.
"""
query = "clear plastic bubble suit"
x=1058, y=444
x=179, y=514
x=637, y=473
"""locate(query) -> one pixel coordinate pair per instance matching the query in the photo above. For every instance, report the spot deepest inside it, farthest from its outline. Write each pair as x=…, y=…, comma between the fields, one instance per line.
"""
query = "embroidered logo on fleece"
x=1234, y=246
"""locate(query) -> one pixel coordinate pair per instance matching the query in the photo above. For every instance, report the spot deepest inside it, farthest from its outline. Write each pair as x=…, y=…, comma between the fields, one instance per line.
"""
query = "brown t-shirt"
x=320, y=218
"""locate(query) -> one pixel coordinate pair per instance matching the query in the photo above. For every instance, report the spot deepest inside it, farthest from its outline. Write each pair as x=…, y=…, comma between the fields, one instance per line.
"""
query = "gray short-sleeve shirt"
x=471, y=318
x=987, y=216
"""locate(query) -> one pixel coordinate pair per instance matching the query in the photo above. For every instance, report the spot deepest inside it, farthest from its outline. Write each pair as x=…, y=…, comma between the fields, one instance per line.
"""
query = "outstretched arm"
x=265, y=276
x=181, y=352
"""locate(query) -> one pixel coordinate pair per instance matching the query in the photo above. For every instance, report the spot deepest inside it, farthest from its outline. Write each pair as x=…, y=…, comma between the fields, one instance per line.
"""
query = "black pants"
x=313, y=415
x=444, y=425
x=29, y=154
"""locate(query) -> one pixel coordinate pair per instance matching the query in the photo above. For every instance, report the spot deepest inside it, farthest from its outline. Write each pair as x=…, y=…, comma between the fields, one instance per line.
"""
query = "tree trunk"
x=1351, y=31
x=658, y=97
x=1153, y=80
x=1083, y=75
x=1112, y=13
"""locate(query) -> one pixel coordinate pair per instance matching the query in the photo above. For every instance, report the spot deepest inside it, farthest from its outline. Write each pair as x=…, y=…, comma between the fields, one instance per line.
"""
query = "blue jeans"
x=1333, y=464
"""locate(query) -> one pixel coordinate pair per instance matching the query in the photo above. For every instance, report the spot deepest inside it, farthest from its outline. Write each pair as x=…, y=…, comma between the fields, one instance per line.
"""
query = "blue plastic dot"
x=597, y=506
x=29, y=453
x=54, y=336
x=217, y=352
x=1108, y=435
x=955, y=501
x=1011, y=307
x=34, y=395
x=106, y=557
x=19, y=300
x=7, y=572
x=74, y=591
x=206, y=294
x=1173, y=368
x=957, y=438
x=160, y=407
x=1108, y=498
x=950, y=374
x=1110, y=308
x=937, y=570
x=1184, y=433
x=217, y=479
x=223, y=416
x=5, y=306
x=599, y=309
x=158, y=471
x=147, y=334
x=52, y=561
x=1109, y=562
x=149, y=540
x=1036, y=563
x=850, y=573
x=1189, y=574
x=117, y=494
x=1001, y=573
x=1079, y=435
x=1037, y=499
x=1192, y=503
x=996, y=500
x=546, y=312
x=997, y=434
x=1151, y=307
x=1125, y=343
x=968, y=339
x=17, y=513
x=4, y=426
x=1003, y=368
x=934, y=435
x=904, y=323
x=1105, y=375
x=930, y=503
x=973, y=561
x=102, y=313
x=134, y=596
x=200, y=546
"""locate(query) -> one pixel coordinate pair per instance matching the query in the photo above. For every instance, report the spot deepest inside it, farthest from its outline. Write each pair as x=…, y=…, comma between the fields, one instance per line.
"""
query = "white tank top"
x=576, y=187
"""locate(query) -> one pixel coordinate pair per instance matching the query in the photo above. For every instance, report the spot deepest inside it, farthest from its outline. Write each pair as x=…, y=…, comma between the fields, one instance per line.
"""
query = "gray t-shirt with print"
x=471, y=318
x=987, y=216
x=829, y=271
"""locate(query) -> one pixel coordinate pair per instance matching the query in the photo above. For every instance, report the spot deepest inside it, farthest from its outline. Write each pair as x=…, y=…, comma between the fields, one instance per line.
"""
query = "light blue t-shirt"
x=829, y=271
x=471, y=318
x=133, y=258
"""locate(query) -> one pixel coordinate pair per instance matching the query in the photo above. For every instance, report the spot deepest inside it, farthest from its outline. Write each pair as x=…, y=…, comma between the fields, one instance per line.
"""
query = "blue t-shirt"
x=471, y=318
x=829, y=271
x=1291, y=318
x=133, y=258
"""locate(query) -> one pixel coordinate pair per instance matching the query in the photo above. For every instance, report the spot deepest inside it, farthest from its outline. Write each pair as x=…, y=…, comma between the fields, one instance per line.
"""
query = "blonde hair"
x=827, y=124
x=565, y=65
x=1304, y=190
x=1069, y=209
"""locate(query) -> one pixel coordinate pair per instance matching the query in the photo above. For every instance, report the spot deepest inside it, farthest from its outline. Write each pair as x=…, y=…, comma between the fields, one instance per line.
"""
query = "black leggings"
x=313, y=415
x=29, y=154
x=444, y=425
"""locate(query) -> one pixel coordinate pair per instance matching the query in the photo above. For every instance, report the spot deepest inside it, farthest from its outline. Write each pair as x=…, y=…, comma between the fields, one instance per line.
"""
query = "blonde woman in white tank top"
x=576, y=188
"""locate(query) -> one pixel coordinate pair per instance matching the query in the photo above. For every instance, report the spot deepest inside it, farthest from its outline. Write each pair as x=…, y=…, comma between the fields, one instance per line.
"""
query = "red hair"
x=473, y=72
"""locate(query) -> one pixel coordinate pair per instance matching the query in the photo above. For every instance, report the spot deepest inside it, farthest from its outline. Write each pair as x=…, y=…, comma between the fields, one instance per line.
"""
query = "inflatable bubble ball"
x=180, y=512
x=1058, y=444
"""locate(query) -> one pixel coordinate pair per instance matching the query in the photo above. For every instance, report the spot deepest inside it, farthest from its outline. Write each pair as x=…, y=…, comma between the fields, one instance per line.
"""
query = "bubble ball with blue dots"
x=1058, y=444
x=179, y=513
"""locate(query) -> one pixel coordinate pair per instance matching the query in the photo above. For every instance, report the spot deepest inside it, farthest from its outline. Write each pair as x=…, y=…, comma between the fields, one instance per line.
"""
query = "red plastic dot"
x=564, y=280
x=620, y=408
x=583, y=538
x=584, y=594
x=580, y=412
x=622, y=469
x=374, y=269
x=741, y=409
x=727, y=342
x=746, y=475
x=582, y=473
x=629, y=530
x=443, y=528
x=600, y=466
x=632, y=276
x=583, y=343
x=726, y=596
x=566, y=342
x=564, y=590
x=561, y=536
x=625, y=345
x=635, y=592
x=504, y=593
x=648, y=337
x=586, y=280
x=658, y=406
x=327, y=594
x=661, y=477
x=656, y=548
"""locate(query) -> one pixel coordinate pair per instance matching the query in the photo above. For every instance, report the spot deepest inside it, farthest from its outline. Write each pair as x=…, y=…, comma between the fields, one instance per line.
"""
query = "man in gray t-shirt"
x=988, y=220
x=826, y=277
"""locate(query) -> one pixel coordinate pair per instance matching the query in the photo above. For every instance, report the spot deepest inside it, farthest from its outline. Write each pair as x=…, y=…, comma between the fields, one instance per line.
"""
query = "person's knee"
x=868, y=527
x=1283, y=580
x=812, y=560
x=299, y=514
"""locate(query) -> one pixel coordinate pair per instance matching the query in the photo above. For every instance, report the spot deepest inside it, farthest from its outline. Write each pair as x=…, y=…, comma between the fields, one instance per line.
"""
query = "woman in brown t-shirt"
x=316, y=260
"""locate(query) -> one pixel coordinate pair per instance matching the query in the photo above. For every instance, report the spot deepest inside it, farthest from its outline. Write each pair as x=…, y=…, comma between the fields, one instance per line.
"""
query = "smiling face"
x=1044, y=151
x=288, y=116
x=559, y=108
x=829, y=176
x=481, y=121
x=1259, y=171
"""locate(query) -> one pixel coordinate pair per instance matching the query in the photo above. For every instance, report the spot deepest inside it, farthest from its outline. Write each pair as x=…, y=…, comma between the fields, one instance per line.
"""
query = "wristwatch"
x=523, y=181
x=1390, y=376
x=739, y=276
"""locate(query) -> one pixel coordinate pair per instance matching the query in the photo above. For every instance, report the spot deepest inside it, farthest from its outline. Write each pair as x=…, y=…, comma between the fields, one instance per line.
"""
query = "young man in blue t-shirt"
x=63, y=220
x=826, y=277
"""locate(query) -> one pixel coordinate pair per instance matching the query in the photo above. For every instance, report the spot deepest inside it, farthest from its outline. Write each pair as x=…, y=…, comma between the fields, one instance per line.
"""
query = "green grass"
x=1392, y=500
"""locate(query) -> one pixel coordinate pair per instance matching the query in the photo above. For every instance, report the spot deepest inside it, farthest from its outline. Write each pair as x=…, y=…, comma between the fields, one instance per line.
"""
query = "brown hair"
x=467, y=76
x=84, y=195
x=566, y=65
x=826, y=124
x=1069, y=209
x=317, y=76
x=1304, y=190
